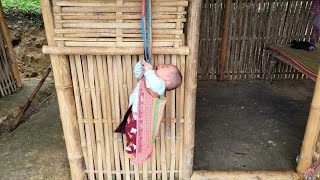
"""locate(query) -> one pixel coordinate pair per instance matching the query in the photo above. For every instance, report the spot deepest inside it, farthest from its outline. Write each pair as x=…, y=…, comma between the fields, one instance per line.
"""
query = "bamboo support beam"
x=312, y=131
x=194, y=14
x=240, y=175
x=225, y=36
x=6, y=34
x=183, y=50
x=65, y=94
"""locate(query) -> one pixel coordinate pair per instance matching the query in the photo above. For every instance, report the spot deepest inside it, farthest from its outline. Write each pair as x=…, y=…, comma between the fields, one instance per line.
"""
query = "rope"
x=146, y=27
x=311, y=170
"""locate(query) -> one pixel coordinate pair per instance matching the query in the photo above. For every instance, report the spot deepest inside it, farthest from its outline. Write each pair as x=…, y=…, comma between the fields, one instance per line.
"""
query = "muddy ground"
x=28, y=36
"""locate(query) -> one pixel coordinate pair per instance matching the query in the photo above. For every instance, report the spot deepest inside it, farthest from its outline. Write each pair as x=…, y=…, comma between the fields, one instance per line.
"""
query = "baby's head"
x=170, y=74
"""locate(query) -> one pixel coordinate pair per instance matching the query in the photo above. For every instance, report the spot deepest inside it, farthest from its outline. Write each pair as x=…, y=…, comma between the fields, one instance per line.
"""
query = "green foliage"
x=32, y=6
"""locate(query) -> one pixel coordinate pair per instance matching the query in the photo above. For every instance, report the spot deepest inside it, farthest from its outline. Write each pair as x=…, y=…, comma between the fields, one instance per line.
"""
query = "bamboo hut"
x=94, y=46
x=9, y=74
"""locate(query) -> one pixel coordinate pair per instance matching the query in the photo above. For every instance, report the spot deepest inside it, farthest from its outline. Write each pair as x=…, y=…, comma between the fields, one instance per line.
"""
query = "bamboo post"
x=194, y=14
x=225, y=36
x=312, y=131
x=6, y=34
x=240, y=175
x=64, y=87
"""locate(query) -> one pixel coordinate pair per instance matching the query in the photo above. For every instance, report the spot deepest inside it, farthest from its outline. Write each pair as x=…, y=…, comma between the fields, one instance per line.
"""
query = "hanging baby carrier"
x=148, y=117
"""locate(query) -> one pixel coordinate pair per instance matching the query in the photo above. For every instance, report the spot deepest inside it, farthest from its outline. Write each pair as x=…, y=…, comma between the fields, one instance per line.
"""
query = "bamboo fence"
x=9, y=74
x=94, y=46
x=248, y=27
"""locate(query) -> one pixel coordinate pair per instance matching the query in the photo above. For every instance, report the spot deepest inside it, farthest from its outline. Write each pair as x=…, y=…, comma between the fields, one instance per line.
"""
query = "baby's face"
x=163, y=71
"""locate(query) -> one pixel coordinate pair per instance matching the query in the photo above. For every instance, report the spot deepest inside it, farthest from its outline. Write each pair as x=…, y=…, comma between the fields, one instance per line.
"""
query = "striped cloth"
x=306, y=62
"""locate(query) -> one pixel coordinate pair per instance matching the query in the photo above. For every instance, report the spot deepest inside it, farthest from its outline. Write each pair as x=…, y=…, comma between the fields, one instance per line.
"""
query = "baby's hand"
x=147, y=66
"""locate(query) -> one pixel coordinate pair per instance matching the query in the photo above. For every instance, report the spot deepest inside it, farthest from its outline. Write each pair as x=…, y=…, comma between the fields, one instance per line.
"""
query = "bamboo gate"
x=252, y=24
x=9, y=74
x=94, y=46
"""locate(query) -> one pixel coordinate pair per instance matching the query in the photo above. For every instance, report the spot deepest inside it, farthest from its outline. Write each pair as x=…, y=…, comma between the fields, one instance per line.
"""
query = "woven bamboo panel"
x=102, y=83
x=117, y=23
x=9, y=75
x=7, y=81
x=253, y=24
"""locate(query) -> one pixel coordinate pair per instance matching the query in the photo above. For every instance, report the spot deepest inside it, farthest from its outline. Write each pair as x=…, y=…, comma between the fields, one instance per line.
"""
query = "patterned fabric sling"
x=149, y=115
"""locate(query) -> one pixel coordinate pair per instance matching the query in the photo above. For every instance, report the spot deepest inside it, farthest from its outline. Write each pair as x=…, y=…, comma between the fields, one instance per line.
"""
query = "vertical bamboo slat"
x=312, y=131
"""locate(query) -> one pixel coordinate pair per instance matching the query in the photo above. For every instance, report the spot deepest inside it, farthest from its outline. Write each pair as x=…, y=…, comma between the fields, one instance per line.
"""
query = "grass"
x=31, y=6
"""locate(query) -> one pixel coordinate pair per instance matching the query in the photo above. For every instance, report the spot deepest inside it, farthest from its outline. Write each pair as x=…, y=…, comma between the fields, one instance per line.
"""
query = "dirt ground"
x=246, y=125
x=28, y=36
x=36, y=149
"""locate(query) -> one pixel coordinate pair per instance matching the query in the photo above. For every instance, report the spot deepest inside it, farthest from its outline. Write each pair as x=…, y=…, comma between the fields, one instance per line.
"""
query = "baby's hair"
x=176, y=79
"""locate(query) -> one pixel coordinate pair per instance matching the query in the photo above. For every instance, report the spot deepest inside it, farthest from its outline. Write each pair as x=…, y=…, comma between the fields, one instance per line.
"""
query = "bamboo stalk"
x=191, y=83
x=61, y=70
x=312, y=131
x=182, y=50
x=224, y=45
x=238, y=175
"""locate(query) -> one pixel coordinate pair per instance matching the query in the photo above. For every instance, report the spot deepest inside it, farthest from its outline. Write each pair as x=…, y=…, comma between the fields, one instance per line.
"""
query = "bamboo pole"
x=225, y=36
x=63, y=82
x=6, y=34
x=194, y=14
x=312, y=131
x=182, y=50
x=241, y=175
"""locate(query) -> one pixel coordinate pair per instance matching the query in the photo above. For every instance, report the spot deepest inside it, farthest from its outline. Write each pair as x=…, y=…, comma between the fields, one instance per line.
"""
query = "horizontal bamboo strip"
x=116, y=44
x=239, y=175
x=125, y=4
x=118, y=25
x=105, y=21
x=104, y=35
x=116, y=9
x=132, y=172
x=125, y=31
x=111, y=16
x=101, y=39
x=182, y=50
x=172, y=120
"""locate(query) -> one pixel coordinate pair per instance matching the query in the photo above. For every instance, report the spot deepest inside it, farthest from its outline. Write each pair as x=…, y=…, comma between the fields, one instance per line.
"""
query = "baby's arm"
x=138, y=69
x=153, y=82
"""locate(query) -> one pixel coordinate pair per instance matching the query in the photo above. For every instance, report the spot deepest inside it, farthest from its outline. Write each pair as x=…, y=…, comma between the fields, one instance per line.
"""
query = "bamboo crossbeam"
x=247, y=175
x=182, y=50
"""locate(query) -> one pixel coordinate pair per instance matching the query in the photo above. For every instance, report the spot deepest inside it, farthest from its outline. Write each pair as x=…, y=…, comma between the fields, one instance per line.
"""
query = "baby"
x=156, y=80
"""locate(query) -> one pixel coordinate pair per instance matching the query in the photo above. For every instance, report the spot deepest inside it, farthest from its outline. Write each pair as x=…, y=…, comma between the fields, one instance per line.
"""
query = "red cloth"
x=131, y=135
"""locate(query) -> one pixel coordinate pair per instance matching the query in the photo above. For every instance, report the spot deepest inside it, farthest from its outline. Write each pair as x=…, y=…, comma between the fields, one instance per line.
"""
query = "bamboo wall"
x=9, y=75
x=252, y=25
x=94, y=46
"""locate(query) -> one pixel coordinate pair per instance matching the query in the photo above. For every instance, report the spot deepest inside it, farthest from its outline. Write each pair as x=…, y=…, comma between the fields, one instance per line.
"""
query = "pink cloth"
x=315, y=10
